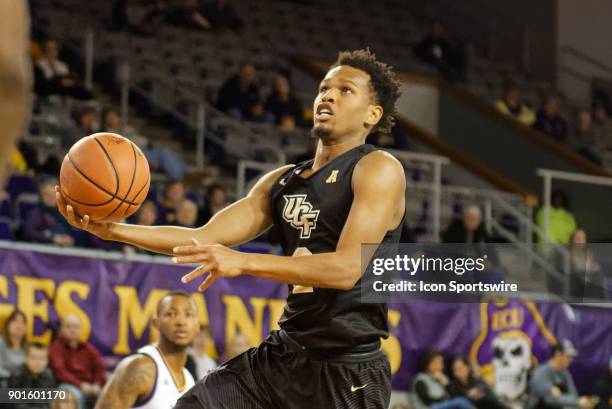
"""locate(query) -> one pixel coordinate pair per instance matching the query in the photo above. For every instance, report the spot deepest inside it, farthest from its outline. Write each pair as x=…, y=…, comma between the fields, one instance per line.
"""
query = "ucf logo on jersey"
x=300, y=214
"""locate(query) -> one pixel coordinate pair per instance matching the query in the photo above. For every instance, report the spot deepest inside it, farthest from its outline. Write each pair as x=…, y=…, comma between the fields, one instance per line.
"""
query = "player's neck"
x=174, y=357
x=330, y=150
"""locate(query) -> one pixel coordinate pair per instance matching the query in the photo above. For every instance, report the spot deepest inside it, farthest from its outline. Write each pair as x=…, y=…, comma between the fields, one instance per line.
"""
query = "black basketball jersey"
x=310, y=212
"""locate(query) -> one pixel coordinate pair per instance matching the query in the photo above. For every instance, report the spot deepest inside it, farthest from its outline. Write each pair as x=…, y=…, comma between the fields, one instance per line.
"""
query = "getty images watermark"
x=412, y=266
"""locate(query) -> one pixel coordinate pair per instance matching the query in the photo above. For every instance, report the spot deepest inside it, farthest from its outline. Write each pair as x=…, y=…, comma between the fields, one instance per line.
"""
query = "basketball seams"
x=135, y=196
x=113, y=196
x=124, y=199
x=111, y=163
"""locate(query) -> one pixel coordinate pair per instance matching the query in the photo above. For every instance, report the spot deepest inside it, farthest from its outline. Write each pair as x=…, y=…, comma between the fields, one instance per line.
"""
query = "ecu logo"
x=300, y=214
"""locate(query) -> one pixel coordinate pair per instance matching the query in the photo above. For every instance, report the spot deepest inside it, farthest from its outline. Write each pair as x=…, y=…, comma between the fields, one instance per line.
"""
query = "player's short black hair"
x=385, y=86
x=173, y=293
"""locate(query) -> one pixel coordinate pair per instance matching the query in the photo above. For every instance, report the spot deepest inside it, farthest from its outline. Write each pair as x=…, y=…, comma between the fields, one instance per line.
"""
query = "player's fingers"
x=189, y=250
x=207, y=282
x=195, y=273
x=71, y=217
x=85, y=221
x=190, y=258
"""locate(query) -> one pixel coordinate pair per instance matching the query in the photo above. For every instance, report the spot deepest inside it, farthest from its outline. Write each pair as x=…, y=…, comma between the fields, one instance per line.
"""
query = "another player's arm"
x=133, y=380
x=378, y=206
x=239, y=222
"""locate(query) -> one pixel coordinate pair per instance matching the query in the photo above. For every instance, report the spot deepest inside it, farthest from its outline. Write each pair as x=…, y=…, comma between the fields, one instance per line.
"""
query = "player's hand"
x=216, y=260
x=101, y=230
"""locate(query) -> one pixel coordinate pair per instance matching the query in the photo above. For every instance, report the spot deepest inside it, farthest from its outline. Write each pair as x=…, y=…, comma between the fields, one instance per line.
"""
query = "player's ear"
x=375, y=112
x=155, y=322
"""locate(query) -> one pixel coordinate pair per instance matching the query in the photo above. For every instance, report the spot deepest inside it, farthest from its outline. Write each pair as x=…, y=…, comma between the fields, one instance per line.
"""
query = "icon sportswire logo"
x=300, y=214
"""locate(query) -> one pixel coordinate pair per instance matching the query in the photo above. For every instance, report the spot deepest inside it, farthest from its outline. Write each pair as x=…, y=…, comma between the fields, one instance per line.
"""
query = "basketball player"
x=155, y=377
x=15, y=77
x=327, y=353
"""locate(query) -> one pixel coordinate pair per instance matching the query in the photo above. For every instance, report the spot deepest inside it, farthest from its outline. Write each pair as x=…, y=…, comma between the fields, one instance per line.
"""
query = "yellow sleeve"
x=17, y=162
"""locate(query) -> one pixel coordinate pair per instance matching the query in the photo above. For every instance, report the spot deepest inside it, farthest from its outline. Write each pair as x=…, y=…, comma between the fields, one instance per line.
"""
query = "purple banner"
x=115, y=299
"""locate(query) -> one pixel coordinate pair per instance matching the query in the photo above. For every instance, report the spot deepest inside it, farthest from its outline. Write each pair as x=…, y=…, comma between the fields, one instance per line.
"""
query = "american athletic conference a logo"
x=300, y=214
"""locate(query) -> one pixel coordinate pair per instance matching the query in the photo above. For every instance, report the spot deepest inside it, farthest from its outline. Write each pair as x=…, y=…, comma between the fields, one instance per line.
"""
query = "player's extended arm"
x=241, y=221
x=134, y=379
x=378, y=206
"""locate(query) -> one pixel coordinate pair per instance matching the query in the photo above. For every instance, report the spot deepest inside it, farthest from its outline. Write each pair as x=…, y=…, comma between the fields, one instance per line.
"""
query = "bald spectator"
x=468, y=229
x=77, y=365
x=187, y=214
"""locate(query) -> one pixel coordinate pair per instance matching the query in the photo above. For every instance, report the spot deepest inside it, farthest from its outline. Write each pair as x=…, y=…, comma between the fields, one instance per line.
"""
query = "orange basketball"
x=105, y=176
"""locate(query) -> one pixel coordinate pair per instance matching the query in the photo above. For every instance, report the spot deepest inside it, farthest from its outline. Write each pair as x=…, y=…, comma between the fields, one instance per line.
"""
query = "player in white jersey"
x=155, y=377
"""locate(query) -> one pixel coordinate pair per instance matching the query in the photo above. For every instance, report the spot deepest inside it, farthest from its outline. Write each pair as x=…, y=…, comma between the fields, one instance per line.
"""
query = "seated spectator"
x=140, y=17
x=549, y=121
x=585, y=139
x=44, y=223
x=552, y=386
x=188, y=15
x=199, y=352
x=465, y=383
x=174, y=194
x=13, y=343
x=222, y=15
x=239, y=95
x=602, y=125
x=286, y=108
x=511, y=105
x=446, y=55
x=53, y=77
x=429, y=386
x=561, y=222
x=216, y=200
x=187, y=214
x=160, y=158
x=77, y=365
x=603, y=389
x=85, y=123
x=33, y=374
x=147, y=214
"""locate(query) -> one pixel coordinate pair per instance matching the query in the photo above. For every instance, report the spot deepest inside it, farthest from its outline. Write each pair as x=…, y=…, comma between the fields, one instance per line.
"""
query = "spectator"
x=187, y=214
x=511, y=105
x=161, y=159
x=216, y=200
x=77, y=365
x=465, y=383
x=603, y=389
x=236, y=345
x=147, y=214
x=602, y=125
x=552, y=386
x=199, y=352
x=44, y=223
x=469, y=229
x=429, y=386
x=446, y=55
x=586, y=140
x=33, y=374
x=140, y=17
x=549, y=121
x=584, y=279
x=561, y=222
x=13, y=343
x=239, y=95
x=189, y=15
x=173, y=197
x=222, y=15
x=285, y=107
x=52, y=76
x=85, y=123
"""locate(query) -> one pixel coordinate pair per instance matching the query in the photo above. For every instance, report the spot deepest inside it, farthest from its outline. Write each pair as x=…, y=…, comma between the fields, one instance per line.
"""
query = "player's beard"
x=320, y=132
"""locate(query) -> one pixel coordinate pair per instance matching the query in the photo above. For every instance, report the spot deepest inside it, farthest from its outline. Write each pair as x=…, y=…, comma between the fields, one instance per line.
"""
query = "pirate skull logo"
x=511, y=363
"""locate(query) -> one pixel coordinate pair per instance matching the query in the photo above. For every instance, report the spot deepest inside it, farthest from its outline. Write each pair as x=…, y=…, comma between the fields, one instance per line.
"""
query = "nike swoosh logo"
x=356, y=388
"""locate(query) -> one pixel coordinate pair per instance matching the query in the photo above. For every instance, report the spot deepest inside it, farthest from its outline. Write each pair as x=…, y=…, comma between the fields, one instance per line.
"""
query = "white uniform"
x=166, y=392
